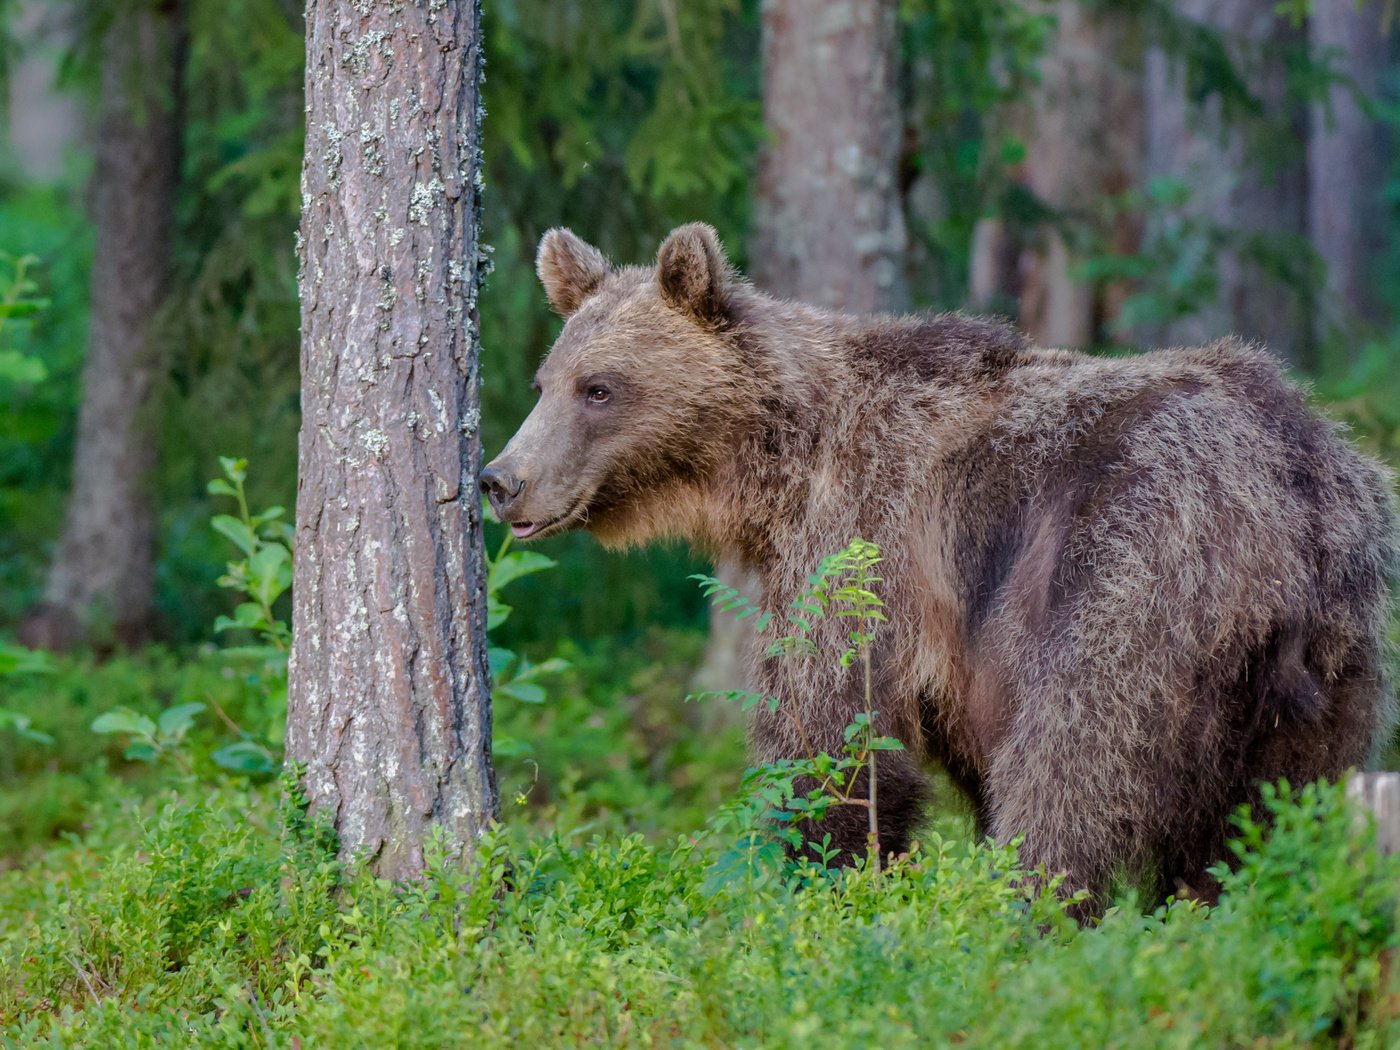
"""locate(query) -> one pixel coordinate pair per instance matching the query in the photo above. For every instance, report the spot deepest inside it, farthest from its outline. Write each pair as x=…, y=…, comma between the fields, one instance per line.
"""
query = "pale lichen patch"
x=471, y=421
x=372, y=150
x=376, y=442
x=357, y=55
x=333, y=154
x=425, y=197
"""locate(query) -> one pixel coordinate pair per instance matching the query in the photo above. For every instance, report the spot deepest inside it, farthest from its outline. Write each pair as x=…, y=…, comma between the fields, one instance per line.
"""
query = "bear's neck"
x=848, y=422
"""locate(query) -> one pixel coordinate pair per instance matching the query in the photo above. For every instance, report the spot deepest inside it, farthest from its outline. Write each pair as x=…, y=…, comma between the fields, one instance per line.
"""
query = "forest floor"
x=168, y=901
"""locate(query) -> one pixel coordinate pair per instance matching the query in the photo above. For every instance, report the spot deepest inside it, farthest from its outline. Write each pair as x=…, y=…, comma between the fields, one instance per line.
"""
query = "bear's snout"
x=501, y=486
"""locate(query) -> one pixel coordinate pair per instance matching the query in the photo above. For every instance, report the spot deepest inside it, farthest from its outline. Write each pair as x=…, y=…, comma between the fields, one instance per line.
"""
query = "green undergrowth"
x=173, y=902
x=206, y=916
x=613, y=748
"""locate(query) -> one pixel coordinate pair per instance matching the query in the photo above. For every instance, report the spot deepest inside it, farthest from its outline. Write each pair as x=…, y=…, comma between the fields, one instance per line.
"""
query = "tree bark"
x=1082, y=131
x=45, y=123
x=830, y=228
x=1376, y=797
x=1230, y=188
x=100, y=586
x=389, y=708
x=1348, y=151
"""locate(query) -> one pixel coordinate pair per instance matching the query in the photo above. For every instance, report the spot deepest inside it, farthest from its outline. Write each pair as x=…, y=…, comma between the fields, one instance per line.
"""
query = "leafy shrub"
x=214, y=919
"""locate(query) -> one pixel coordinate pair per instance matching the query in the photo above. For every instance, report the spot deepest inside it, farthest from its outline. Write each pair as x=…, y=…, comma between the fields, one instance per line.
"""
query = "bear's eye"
x=599, y=395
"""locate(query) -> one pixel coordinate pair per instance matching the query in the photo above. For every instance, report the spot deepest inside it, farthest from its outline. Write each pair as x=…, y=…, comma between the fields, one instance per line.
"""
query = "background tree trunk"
x=100, y=586
x=45, y=123
x=1348, y=154
x=1082, y=132
x=829, y=220
x=1231, y=187
x=389, y=704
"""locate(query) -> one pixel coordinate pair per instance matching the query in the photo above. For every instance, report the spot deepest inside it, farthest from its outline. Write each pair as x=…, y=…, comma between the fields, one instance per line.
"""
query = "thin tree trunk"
x=1231, y=188
x=830, y=226
x=389, y=708
x=100, y=586
x=1348, y=155
x=1082, y=130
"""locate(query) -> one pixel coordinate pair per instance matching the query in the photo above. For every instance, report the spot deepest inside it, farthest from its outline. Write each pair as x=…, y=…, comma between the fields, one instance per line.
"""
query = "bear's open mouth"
x=523, y=530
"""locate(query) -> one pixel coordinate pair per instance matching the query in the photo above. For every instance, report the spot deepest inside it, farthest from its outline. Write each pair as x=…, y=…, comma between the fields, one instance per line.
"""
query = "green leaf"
x=235, y=469
x=271, y=569
x=19, y=368
x=525, y=692
x=513, y=566
x=506, y=746
x=554, y=665
x=22, y=726
x=248, y=614
x=244, y=756
x=220, y=487
x=16, y=659
x=237, y=531
x=500, y=660
x=140, y=751
x=176, y=721
x=497, y=612
x=124, y=720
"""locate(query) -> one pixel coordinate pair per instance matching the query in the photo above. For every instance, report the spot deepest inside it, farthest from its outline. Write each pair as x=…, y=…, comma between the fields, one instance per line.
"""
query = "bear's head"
x=639, y=397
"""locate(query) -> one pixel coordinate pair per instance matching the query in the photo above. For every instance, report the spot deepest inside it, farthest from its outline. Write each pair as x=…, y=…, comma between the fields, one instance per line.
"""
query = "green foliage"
x=37, y=420
x=47, y=789
x=19, y=303
x=807, y=787
x=264, y=573
x=215, y=919
x=150, y=740
x=1366, y=394
x=23, y=727
x=964, y=63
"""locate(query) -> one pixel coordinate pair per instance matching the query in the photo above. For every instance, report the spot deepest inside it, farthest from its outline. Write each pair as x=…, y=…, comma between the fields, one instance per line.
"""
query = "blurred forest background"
x=1112, y=173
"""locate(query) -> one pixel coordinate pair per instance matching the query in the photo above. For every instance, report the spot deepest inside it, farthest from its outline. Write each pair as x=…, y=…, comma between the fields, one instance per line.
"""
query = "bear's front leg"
x=901, y=792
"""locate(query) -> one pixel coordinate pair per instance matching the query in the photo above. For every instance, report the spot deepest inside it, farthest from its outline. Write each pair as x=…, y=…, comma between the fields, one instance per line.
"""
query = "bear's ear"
x=569, y=268
x=693, y=274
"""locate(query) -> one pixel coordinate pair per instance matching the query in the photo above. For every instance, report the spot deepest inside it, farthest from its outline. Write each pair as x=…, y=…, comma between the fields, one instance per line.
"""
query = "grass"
x=180, y=905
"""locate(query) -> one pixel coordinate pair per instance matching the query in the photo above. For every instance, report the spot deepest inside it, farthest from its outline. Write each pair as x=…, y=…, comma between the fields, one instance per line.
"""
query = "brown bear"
x=1122, y=592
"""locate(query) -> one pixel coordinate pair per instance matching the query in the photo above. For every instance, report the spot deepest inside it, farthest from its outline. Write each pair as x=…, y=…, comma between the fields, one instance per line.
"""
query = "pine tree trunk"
x=100, y=586
x=1231, y=187
x=390, y=709
x=1348, y=154
x=830, y=227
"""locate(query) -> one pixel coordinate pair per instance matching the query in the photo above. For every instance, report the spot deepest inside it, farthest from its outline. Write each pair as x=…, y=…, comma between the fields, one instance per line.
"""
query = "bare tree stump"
x=1378, y=794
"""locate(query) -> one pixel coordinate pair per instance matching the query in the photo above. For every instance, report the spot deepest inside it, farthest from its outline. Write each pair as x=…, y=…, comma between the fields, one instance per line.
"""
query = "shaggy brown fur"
x=1122, y=592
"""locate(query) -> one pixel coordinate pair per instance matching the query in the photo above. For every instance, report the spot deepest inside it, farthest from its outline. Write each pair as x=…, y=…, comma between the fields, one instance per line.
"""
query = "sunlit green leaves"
x=265, y=572
x=147, y=740
x=513, y=676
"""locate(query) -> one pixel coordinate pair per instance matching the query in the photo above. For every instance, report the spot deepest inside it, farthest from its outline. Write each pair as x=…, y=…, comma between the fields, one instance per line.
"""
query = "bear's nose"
x=500, y=485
